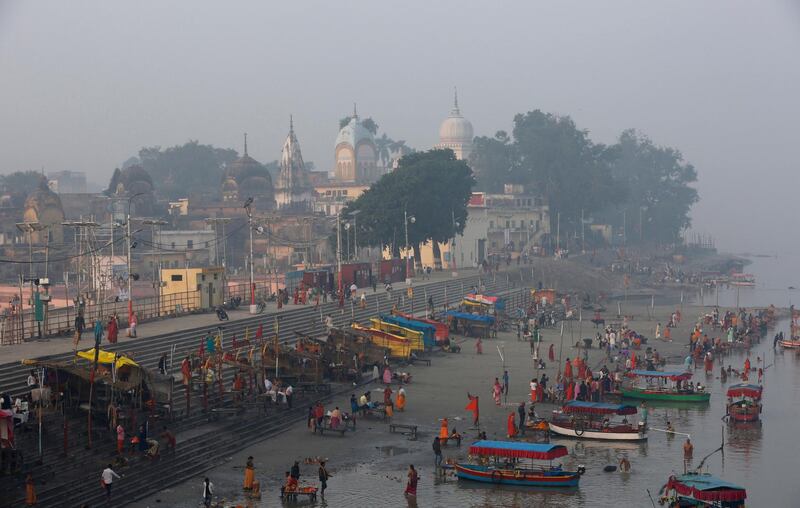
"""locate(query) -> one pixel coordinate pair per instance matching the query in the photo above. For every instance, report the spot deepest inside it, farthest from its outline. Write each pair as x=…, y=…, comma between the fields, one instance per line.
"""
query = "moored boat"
x=701, y=489
x=591, y=420
x=669, y=386
x=744, y=402
x=511, y=463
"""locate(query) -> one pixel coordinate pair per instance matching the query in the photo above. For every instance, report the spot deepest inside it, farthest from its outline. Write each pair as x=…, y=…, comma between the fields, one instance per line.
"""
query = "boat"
x=742, y=279
x=589, y=420
x=501, y=462
x=744, y=402
x=793, y=343
x=656, y=387
x=701, y=489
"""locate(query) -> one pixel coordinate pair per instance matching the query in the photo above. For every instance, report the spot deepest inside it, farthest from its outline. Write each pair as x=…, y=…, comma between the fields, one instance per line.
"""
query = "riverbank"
x=368, y=464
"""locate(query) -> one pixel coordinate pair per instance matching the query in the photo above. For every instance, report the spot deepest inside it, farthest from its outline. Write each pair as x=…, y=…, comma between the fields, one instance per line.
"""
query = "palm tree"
x=382, y=144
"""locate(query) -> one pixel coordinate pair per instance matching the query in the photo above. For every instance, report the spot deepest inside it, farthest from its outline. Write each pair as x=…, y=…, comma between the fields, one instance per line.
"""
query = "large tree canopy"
x=552, y=157
x=657, y=180
x=433, y=186
x=191, y=168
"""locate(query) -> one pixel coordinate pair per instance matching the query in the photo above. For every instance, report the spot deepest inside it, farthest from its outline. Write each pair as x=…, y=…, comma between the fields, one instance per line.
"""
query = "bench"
x=292, y=495
x=377, y=412
x=341, y=429
x=409, y=430
x=426, y=361
x=446, y=440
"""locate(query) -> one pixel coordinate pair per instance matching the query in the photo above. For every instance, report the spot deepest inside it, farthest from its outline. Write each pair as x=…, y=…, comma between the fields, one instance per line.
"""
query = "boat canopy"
x=428, y=331
x=598, y=408
x=518, y=450
x=107, y=357
x=472, y=298
x=674, y=375
x=745, y=390
x=470, y=317
x=706, y=487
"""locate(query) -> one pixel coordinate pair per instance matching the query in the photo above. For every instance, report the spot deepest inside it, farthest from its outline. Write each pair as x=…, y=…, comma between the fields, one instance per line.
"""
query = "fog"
x=84, y=85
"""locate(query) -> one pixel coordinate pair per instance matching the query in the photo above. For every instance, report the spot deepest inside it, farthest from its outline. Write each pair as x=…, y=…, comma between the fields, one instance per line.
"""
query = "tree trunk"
x=437, y=256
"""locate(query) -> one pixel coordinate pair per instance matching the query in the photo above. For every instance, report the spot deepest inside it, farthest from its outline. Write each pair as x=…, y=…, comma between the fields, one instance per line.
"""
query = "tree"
x=370, y=125
x=433, y=186
x=493, y=161
x=190, y=168
x=382, y=145
x=19, y=185
x=658, y=181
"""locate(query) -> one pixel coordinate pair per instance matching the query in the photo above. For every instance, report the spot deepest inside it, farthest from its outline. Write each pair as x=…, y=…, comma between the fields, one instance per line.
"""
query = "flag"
x=473, y=405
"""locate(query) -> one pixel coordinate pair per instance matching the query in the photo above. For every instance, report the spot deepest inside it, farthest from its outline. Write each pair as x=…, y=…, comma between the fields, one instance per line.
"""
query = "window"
x=206, y=245
x=173, y=245
x=507, y=224
x=190, y=244
x=513, y=223
x=491, y=224
x=494, y=244
x=176, y=278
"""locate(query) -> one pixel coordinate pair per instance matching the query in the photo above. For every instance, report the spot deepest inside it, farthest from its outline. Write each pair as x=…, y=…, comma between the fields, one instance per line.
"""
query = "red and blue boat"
x=744, y=402
x=669, y=386
x=511, y=463
x=591, y=420
x=700, y=489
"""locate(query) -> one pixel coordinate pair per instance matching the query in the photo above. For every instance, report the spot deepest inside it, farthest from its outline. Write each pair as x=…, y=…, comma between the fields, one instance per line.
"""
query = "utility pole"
x=354, y=214
x=223, y=221
x=558, y=231
x=583, y=234
x=130, y=246
x=453, y=247
x=156, y=266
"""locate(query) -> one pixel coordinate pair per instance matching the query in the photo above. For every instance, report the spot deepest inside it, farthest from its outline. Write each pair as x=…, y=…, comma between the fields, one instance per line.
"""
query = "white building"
x=456, y=133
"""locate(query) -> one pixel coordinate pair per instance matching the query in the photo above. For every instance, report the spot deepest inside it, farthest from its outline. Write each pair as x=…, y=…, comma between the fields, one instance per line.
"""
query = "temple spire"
x=291, y=124
x=355, y=111
x=245, y=144
x=455, y=97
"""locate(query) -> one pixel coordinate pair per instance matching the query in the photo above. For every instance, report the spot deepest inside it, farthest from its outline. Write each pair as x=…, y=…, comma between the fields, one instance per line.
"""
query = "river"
x=761, y=457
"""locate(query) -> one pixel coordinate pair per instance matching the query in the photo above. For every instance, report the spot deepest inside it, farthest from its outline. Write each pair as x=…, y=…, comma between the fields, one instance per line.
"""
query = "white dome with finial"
x=456, y=132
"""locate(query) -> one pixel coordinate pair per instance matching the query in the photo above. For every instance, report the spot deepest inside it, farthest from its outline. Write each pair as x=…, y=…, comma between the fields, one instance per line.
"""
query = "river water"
x=762, y=457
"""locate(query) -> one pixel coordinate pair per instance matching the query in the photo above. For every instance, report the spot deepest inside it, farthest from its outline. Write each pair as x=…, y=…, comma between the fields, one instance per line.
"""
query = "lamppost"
x=248, y=208
x=406, y=219
x=354, y=215
x=453, y=246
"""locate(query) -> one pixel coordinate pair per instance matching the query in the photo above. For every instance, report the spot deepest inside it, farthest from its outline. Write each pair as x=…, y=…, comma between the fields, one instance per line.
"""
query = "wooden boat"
x=790, y=344
x=442, y=331
x=657, y=388
x=589, y=420
x=474, y=325
x=698, y=489
x=399, y=347
x=744, y=402
x=500, y=462
x=416, y=338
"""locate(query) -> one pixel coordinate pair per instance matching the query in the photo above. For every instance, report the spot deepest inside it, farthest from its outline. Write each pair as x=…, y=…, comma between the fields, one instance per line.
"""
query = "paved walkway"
x=55, y=345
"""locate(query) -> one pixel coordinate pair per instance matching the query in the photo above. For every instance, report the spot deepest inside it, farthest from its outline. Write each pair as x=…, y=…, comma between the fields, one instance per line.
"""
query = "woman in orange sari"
x=400, y=403
x=443, y=431
x=512, y=426
x=249, y=474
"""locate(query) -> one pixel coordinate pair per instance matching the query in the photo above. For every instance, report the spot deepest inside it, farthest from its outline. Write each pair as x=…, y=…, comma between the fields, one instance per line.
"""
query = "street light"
x=406, y=219
x=354, y=215
x=247, y=206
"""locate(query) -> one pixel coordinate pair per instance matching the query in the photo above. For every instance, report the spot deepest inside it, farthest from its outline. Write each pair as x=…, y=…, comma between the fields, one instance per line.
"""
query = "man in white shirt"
x=288, y=392
x=208, y=492
x=108, y=476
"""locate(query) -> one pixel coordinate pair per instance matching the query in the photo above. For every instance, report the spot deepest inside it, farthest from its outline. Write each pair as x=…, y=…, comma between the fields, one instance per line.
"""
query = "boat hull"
x=486, y=474
x=790, y=344
x=595, y=434
x=748, y=414
x=634, y=393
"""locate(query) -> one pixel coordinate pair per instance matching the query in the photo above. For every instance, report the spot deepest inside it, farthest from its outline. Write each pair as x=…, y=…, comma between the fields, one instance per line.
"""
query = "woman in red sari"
x=113, y=330
x=411, y=485
x=567, y=369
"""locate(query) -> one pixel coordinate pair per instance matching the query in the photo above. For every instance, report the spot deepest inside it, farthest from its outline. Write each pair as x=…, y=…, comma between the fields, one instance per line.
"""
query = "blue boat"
x=501, y=462
x=700, y=489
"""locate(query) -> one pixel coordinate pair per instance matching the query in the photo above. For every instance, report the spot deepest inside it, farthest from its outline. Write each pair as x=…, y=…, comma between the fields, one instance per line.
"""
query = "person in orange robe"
x=249, y=474
x=30, y=491
x=747, y=364
x=443, y=431
x=567, y=369
x=551, y=353
x=512, y=425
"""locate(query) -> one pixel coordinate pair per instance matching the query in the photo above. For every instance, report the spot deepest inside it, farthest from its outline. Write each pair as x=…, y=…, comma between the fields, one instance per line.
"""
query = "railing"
x=16, y=328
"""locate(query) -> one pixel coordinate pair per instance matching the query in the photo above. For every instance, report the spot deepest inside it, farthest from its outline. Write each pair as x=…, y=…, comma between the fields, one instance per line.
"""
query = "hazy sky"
x=84, y=85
